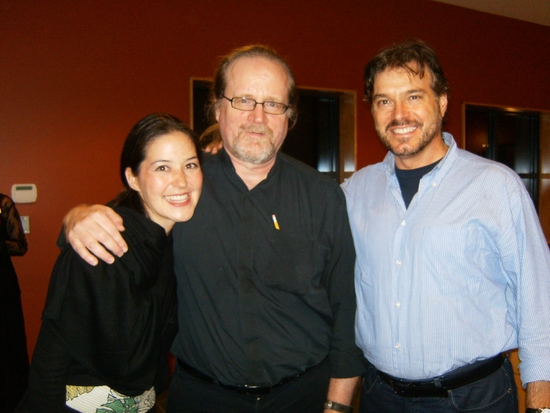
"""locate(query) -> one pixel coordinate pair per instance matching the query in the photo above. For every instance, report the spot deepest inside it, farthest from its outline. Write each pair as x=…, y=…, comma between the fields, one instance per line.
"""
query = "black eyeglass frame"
x=285, y=107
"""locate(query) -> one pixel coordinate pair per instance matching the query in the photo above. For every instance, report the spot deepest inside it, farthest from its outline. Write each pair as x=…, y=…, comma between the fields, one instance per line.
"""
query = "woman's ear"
x=132, y=180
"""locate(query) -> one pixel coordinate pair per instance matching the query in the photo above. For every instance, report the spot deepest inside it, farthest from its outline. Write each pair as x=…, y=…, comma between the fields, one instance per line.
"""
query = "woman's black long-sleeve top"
x=109, y=324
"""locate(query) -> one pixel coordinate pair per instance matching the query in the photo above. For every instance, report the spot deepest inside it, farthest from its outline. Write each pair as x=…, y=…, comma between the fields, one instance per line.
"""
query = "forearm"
x=345, y=356
x=538, y=394
x=341, y=391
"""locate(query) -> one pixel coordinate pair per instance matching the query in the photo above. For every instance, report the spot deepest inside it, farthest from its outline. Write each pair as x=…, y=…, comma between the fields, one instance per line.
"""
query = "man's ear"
x=443, y=104
x=132, y=179
x=217, y=109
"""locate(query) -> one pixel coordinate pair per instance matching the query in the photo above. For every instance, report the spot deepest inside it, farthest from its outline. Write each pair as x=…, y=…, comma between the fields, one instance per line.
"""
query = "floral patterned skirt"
x=103, y=399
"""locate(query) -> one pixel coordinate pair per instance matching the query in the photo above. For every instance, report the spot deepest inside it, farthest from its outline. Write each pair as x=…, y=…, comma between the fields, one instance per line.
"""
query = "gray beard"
x=254, y=152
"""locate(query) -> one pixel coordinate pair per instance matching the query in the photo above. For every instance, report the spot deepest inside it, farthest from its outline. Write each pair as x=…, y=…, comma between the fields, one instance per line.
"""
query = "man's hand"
x=87, y=227
x=211, y=140
x=213, y=147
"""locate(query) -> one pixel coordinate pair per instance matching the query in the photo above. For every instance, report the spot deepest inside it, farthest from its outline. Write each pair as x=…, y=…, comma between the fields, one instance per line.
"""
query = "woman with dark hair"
x=106, y=330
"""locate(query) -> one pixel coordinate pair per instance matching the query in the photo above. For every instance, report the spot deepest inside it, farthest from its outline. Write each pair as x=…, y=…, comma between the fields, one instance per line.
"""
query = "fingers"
x=95, y=230
x=116, y=220
x=81, y=250
x=214, y=147
x=112, y=224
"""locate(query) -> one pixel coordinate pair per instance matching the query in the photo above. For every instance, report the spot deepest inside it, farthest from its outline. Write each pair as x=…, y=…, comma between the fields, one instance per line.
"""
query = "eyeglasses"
x=247, y=104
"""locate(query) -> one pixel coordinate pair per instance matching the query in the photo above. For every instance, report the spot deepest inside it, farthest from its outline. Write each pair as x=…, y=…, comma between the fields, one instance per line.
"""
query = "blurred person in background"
x=13, y=342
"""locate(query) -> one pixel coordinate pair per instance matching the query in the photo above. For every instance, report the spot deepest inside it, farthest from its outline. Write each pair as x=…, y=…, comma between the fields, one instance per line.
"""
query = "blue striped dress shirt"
x=461, y=275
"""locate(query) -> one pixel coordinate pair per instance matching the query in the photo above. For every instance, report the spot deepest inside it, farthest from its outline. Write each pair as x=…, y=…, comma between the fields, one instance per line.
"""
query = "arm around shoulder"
x=93, y=230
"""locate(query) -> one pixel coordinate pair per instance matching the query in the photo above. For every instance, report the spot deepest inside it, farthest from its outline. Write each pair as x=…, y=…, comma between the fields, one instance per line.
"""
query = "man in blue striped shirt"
x=453, y=269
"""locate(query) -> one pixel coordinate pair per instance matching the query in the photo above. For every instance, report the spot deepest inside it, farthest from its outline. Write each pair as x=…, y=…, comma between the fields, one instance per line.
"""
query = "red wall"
x=76, y=75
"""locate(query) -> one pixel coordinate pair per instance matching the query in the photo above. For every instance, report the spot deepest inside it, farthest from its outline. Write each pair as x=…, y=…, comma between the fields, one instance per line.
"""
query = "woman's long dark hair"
x=135, y=147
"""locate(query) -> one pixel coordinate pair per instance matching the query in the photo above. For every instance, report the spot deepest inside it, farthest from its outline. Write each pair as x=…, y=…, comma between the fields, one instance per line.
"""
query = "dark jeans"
x=495, y=393
x=305, y=394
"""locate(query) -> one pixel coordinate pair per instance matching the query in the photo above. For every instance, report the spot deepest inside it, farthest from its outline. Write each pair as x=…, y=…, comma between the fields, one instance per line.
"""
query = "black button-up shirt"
x=258, y=304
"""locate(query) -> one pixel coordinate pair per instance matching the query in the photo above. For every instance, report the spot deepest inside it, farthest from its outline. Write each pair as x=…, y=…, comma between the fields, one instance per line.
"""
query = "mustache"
x=402, y=123
x=257, y=129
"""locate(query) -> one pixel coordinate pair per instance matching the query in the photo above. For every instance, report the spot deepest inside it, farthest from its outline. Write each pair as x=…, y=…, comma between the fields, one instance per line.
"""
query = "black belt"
x=243, y=389
x=439, y=386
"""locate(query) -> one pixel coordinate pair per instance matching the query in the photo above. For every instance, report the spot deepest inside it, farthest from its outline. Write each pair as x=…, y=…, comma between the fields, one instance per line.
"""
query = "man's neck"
x=250, y=173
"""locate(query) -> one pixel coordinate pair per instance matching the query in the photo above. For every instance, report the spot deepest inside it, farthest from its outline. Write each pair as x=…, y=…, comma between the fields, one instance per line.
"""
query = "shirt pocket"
x=451, y=259
x=293, y=263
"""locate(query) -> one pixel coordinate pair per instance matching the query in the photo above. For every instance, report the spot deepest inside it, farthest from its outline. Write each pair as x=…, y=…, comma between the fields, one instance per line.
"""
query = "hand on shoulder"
x=93, y=231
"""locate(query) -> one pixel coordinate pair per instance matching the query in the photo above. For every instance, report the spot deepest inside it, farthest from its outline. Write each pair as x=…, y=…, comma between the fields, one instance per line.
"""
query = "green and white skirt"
x=103, y=399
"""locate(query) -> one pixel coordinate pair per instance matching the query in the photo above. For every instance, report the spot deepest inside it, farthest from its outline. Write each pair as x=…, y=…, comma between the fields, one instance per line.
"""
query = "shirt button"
x=402, y=223
x=398, y=263
x=398, y=346
x=398, y=304
x=434, y=184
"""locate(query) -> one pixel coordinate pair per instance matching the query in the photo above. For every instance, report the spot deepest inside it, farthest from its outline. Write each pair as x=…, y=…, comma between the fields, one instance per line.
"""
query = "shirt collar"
x=229, y=168
x=438, y=172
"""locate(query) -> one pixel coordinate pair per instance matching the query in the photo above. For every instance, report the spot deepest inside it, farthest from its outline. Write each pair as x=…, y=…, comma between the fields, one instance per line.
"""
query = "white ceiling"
x=534, y=11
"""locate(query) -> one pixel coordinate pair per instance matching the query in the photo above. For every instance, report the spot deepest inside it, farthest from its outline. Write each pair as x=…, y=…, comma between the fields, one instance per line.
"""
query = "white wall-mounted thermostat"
x=23, y=193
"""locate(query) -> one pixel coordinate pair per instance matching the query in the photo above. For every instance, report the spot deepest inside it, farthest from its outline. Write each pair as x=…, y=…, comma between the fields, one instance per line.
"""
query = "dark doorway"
x=507, y=136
